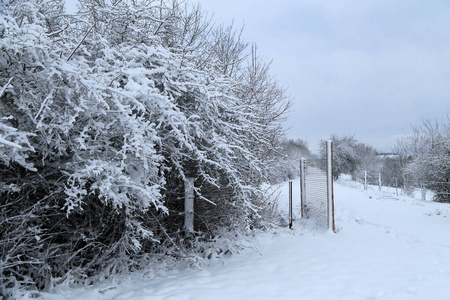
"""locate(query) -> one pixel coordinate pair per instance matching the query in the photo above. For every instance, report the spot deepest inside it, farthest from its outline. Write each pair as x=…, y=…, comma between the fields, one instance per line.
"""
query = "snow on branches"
x=104, y=115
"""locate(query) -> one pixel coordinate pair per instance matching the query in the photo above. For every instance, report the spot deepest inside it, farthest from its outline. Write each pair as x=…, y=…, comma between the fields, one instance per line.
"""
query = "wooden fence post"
x=189, y=206
x=379, y=181
x=365, y=180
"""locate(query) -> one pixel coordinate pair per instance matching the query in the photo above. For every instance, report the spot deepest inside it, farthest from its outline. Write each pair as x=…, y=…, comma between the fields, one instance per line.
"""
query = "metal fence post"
x=302, y=186
x=290, y=204
x=330, y=190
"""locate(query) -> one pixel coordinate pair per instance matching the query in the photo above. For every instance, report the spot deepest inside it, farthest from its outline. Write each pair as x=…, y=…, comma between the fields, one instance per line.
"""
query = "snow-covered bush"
x=287, y=167
x=429, y=157
x=354, y=158
x=103, y=116
x=345, y=157
x=391, y=171
x=368, y=161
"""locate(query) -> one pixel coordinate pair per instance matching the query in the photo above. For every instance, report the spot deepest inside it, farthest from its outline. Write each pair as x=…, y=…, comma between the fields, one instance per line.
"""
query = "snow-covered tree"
x=288, y=165
x=429, y=149
x=103, y=117
x=354, y=158
x=403, y=156
x=345, y=158
x=368, y=161
x=391, y=170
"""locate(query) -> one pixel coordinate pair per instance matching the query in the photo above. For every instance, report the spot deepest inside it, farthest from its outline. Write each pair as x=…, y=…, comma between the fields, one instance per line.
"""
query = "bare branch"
x=82, y=40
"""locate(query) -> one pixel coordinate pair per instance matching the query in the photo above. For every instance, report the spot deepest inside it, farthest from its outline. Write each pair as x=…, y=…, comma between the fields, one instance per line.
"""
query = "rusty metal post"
x=302, y=186
x=330, y=190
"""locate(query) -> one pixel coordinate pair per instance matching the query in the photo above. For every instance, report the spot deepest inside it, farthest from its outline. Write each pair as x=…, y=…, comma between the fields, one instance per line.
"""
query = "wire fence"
x=440, y=190
x=317, y=194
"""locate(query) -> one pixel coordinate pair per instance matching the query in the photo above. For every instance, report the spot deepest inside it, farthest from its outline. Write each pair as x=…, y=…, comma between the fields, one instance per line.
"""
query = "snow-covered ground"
x=387, y=247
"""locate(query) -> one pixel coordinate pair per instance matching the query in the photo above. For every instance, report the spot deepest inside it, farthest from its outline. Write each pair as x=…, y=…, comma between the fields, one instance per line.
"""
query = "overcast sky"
x=366, y=68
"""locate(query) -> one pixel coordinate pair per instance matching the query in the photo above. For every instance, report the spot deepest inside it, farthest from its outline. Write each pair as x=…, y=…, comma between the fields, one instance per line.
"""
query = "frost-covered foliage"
x=429, y=157
x=368, y=161
x=288, y=167
x=345, y=158
x=391, y=171
x=103, y=116
x=353, y=157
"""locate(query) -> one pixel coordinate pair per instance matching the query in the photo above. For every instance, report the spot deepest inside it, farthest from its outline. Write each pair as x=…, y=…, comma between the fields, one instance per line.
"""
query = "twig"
x=43, y=104
x=82, y=40
x=6, y=85
x=57, y=32
x=167, y=235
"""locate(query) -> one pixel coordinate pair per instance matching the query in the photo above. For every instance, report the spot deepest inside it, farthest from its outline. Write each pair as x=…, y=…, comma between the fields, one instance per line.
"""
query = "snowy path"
x=387, y=248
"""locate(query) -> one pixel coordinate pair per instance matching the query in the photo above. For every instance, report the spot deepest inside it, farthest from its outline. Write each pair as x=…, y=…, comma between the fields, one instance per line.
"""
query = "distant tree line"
x=363, y=162
x=419, y=160
x=353, y=158
x=103, y=116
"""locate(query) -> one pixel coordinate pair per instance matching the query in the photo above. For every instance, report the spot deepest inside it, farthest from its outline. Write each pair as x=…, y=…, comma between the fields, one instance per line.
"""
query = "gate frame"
x=330, y=187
